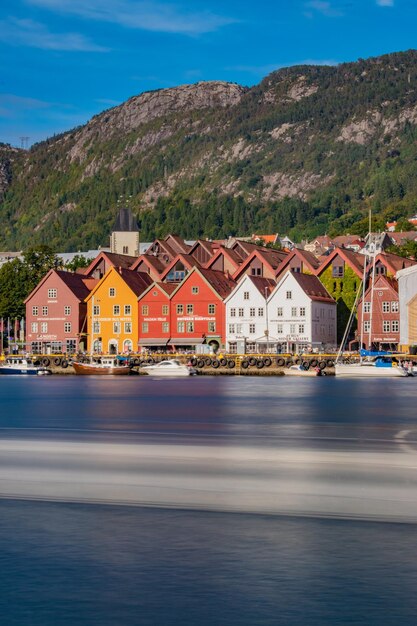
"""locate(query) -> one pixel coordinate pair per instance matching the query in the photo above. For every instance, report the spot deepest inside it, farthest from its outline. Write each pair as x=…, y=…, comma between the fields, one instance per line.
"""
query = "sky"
x=63, y=61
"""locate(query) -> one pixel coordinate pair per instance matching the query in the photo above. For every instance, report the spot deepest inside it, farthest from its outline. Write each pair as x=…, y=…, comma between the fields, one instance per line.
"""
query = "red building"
x=380, y=318
x=155, y=316
x=56, y=313
x=198, y=310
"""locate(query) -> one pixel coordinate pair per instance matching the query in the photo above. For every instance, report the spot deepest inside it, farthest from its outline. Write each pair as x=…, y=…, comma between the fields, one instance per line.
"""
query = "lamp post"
x=267, y=325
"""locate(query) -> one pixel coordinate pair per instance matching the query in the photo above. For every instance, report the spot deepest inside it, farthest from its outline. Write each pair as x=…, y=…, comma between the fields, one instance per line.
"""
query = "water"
x=88, y=563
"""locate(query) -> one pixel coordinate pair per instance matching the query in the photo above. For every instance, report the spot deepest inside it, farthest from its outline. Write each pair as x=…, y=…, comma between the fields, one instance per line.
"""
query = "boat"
x=22, y=366
x=169, y=367
x=373, y=365
x=299, y=370
x=103, y=366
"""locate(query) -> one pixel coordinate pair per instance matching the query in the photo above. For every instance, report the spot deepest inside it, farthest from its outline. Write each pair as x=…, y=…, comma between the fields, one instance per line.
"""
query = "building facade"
x=379, y=315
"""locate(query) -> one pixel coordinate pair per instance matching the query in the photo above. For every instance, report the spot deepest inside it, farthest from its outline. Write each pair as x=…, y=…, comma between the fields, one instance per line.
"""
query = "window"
x=238, y=329
x=190, y=327
x=256, y=271
x=294, y=311
x=125, y=249
x=128, y=309
x=280, y=311
x=301, y=329
x=44, y=310
x=211, y=309
x=386, y=326
x=292, y=329
x=112, y=292
x=181, y=327
x=233, y=312
x=337, y=271
x=385, y=307
x=280, y=329
x=52, y=293
x=165, y=309
x=35, y=310
x=395, y=326
x=34, y=327
x=165, y=327
x=212, y=327
x=145, y=327
x=44, y=327
x=232, y=348
x=190, y=309
x=366, y=307
x=67, y=310
x=366, y=326
x=194, y=290
x=289, y=295
x=232, y=329
x=116, y=309
x=116, y=327
x=180, y=309
x=252, y=311
x=67, y=327
x=251, y=347
x=71, y=346
x=260, y=311
x=128, y=327
x=145, y=309
x=56, y=347
x=252, y=329
x=96, y=327
x=96, y=309
x=246, y=295
x=241, y=312
x=394, y=306
x=302, y=311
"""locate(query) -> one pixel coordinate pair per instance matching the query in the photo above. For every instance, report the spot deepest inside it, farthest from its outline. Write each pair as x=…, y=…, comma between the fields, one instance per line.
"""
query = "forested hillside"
x=306, y=151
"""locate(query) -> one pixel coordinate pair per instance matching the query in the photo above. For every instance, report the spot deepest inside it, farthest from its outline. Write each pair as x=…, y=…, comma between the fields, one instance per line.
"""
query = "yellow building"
x=112, y=311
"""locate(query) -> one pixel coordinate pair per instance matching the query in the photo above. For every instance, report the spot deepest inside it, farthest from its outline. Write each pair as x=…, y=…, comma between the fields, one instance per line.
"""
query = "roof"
x=187, y=260
x=177, y=243
x=399, y=238
x=77, y=283
x=265, y=238
x=115, y=260
x=343, y=240
x=137, y=281
x=208, y=246
x=354, y=259
x=227, y=252
x=220, y=282
x=306, y=257
x=125, y=222
x=312, y=287
x=151, y=260
x=167, y=288
x=394, y=262
x=263, y=284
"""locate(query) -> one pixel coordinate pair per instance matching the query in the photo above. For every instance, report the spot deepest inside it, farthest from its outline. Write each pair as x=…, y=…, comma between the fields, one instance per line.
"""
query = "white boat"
x=170, y=367
x=382, y=366
x=22, y=367
x=299, y=370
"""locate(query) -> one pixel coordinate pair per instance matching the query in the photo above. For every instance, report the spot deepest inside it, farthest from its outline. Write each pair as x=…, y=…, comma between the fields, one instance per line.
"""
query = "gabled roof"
x=233, y=257
x=137, y=282
x=355, y=260
x=219, y=282
x=125, y=222
x=263, y=284
x=306, y=257
x=151, y=261
x=272, y=258
x=392, y=283
x=113, y=259
x=399, y=238
x=77, y=283
x=208, y=246
x=167, y=288
x=265, y=238
x=186, y=259
x=346, y=240
x=394, y=262
x=311, y=286
x=177, y=243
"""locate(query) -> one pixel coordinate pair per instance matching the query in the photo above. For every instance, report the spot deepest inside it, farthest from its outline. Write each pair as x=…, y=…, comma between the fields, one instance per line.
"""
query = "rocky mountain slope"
x=307, y=150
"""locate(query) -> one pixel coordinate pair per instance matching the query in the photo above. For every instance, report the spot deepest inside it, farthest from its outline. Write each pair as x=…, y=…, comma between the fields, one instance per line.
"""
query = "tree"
x=13, y=289
x=38, y=260
x=78, y=261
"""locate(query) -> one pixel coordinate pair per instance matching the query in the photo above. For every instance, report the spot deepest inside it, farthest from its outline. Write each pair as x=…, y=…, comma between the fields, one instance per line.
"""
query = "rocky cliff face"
x=307, y=148
x=7, y=155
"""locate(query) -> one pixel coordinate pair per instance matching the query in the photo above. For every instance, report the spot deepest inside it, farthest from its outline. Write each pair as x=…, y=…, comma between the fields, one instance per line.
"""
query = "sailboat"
x=371, y=364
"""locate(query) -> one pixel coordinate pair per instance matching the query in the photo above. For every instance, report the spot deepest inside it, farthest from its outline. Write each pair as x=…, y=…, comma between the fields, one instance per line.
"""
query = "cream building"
x=124, y=238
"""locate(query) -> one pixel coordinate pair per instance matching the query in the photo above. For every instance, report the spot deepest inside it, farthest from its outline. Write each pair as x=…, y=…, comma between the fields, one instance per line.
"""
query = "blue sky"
x=63, y=61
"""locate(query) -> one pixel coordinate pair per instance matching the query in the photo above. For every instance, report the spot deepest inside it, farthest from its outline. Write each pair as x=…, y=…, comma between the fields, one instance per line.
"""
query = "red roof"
x=263, y=284
x=79, y=284
x=150, y=260
x=355, y=260
x=220, y=282
x=312, y=287
x=394, y=262
x=137, y=281
x=115, y=260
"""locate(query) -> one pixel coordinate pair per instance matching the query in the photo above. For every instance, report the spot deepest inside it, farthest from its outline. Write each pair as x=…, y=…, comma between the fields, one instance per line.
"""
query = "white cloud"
x=33, y=34
x=144, y=15
x=385, y=3
x=323, y=7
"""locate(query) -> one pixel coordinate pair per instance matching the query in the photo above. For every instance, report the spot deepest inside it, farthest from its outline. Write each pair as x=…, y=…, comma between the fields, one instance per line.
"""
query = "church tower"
x=124, y=238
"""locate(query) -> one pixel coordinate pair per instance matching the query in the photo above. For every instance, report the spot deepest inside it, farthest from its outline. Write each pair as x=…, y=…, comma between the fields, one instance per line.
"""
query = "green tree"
x=13, y=289
x=77, y=262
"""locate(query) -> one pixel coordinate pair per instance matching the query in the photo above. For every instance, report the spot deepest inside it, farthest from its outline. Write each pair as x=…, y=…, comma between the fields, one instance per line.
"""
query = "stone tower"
x=124, y=238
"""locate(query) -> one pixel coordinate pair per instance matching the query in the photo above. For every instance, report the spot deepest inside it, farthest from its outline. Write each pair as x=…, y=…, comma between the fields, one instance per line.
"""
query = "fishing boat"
x=103, y=366
x=22, y=367
x=169, y=367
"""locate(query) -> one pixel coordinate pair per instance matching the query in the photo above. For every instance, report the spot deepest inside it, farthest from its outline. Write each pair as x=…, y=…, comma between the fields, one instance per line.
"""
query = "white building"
x=407, y=293
x=302, y=314
x=246, y=315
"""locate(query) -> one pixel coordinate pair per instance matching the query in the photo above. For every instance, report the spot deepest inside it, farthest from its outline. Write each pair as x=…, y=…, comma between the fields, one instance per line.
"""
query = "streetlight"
x=266, y=314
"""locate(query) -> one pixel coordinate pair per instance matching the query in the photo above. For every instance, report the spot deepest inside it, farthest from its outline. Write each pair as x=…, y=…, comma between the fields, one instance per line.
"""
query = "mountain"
x=306, y=151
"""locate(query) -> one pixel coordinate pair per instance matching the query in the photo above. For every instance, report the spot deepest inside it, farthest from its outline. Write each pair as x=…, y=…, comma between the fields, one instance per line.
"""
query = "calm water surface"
x=85, y=564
